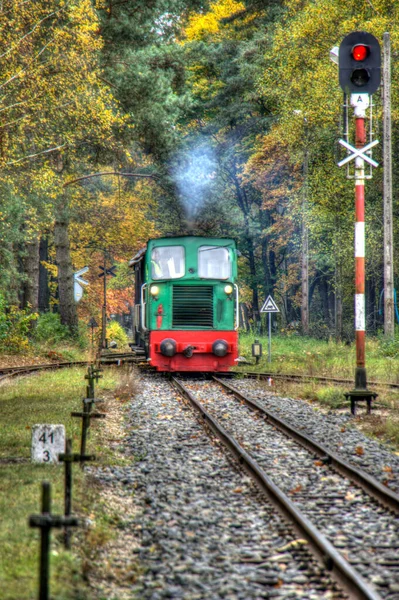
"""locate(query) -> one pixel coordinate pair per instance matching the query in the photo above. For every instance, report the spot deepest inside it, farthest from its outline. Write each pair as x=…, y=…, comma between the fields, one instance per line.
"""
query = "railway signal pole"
x=360, y=76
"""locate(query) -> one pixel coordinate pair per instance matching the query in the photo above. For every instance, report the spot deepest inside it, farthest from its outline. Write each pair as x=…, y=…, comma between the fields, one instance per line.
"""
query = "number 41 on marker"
x=48, y=441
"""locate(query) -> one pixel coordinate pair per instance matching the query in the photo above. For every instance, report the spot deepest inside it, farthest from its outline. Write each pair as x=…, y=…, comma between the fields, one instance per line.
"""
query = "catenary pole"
x=389, y=313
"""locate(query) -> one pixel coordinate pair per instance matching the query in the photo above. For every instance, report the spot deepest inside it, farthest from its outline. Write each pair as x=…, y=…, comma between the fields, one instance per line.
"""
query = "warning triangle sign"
x=269, y=306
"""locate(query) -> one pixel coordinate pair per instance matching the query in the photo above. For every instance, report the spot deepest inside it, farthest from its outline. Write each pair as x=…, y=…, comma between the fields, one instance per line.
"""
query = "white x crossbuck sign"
x=358, y=152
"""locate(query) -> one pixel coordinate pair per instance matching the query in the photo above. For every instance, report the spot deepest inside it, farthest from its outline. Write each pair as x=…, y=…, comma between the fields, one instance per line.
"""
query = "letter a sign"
x=269, y=306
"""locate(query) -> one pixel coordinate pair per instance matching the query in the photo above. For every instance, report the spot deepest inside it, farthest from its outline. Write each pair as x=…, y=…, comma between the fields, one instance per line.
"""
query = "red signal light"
x=360, y=52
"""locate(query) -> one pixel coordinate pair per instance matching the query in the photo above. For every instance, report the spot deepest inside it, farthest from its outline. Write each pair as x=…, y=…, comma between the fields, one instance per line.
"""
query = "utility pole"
x=389, y=309
x=305, y=243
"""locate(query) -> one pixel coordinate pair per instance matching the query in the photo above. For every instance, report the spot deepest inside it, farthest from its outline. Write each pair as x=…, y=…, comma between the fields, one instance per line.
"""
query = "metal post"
x=68, y=458
x=360, y=307
x=305, y=239
x=68, y=492
x=45, y=521
x=104, y=322
x=85, y=427
x=360, y=393
x=45, y=543
x=269, y=358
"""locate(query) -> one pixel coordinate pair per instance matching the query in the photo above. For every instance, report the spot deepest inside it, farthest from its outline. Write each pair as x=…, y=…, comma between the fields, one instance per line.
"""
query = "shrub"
x=389, y=347
x=15, y=327
x=50, y=329
x=331, y=396
x=116, y=333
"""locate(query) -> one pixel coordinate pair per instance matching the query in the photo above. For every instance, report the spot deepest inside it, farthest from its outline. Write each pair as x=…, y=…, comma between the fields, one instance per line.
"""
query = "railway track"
x=304, y=378
x=114, y=358
x=352, y=533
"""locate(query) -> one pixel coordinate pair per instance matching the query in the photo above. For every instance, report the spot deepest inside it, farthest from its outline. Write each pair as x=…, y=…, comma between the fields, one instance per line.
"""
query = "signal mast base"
x=360, y=393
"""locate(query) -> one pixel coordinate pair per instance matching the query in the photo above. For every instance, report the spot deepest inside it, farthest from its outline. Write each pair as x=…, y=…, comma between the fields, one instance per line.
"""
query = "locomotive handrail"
x=143, y=306
x=237, y=308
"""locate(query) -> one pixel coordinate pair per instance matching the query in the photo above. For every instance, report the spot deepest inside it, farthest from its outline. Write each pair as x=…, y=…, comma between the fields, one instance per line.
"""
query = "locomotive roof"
x=140, y=254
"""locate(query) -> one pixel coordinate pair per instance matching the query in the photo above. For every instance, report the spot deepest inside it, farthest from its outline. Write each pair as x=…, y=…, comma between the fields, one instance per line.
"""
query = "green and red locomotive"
x=186, y=303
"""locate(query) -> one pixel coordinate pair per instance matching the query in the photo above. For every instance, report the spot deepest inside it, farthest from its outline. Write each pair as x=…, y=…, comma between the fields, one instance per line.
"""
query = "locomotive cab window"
x=167, y=262
x=214, y=262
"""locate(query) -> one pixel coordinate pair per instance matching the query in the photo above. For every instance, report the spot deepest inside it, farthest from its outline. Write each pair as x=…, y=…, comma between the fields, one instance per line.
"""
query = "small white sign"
x=48, y=441
x=269, y=306
x=78, y=276
x=77, y=291
x=362, y=100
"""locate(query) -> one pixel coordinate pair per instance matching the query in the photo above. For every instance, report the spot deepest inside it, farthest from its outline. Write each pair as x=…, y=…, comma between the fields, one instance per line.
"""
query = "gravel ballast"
x=333, y=430
x=199, y=528
x=365, y=533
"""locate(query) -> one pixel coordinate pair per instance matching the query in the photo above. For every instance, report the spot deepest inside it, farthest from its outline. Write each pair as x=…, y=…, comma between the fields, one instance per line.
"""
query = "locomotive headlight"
x=228, y=289
x=154, y=290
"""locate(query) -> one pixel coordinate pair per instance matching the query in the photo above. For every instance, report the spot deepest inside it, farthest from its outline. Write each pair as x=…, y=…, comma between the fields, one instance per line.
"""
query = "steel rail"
x=355, y=586
x=20, y=370
x=6, y=372
x=322, y=378
x=368, y=483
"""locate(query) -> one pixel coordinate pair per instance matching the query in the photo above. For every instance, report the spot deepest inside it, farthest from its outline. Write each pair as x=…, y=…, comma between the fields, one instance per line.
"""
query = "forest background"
x=214, y=118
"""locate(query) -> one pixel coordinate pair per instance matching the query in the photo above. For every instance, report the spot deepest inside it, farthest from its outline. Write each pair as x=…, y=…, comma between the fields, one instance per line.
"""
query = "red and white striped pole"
x=360, y=279
x=360, y=393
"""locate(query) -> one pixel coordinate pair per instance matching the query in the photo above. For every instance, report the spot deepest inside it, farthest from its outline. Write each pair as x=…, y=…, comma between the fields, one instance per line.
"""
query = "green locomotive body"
x=186, y=303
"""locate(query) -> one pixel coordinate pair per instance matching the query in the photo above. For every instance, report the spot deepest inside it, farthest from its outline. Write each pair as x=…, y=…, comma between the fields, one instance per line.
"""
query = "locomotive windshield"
x=167, y=262
x=214, y=262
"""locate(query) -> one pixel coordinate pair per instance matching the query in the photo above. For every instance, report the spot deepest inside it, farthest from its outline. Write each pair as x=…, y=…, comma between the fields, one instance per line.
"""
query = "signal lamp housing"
x=154, y=290
x=359, y=63
x=228, y=289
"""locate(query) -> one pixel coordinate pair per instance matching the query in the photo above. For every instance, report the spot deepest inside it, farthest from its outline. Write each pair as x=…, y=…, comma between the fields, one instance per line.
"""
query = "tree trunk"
x=67, y=305
x=323, y=288
x=44, y=292
x=31, y=269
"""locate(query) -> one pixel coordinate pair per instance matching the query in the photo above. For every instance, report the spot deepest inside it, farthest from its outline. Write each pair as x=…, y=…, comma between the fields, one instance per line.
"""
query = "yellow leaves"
x=209, y=23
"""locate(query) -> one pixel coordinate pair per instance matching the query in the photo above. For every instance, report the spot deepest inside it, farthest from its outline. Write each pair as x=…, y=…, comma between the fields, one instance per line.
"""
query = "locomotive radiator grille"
x=193, y=306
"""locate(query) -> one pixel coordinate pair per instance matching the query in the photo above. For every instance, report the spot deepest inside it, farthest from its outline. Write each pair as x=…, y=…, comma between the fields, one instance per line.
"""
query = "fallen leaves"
x=350, y=496
x=359, y=450
x=296, y=489
x=387, y=469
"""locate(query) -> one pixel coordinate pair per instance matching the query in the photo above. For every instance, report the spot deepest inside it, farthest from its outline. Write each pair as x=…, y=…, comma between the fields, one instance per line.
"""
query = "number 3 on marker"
x=46, y=455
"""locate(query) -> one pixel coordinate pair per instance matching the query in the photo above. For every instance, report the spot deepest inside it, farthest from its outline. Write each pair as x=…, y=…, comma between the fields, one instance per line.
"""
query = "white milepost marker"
x=48, y=441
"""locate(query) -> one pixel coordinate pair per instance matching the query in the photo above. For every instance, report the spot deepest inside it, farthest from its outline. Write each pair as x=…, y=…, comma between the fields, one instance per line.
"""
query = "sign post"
x=270, y=307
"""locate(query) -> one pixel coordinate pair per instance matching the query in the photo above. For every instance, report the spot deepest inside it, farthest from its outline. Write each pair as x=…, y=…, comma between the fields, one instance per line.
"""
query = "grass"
x=307, y=356
x=45, y=398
